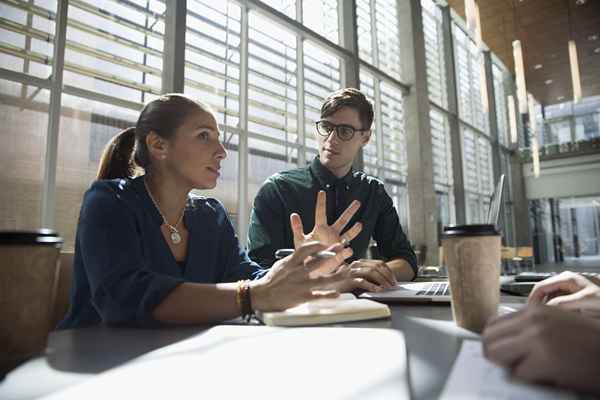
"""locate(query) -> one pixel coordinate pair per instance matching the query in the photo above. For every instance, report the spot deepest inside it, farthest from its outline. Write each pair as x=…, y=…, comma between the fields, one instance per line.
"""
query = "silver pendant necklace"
x=175, y=235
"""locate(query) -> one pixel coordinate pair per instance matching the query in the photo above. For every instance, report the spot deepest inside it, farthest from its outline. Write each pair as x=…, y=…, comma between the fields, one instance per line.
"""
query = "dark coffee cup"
x=28, y=268
x=472, y=256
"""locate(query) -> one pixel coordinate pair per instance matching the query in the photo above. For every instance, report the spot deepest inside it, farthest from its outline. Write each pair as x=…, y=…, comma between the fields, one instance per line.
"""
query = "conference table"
x=74, y=356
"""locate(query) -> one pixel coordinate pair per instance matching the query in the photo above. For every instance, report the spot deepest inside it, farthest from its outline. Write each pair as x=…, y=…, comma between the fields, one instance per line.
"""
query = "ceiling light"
x=537, y=66
x=580, y=2
x=520, y=73
x=535, y=150
x=512, y=119
x=593, y=37
x=575, y=71
x=548, y=81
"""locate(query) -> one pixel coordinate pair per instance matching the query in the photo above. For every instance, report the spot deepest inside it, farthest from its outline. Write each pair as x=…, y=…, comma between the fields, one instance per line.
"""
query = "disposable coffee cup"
x=28, y=268
x=472, y=255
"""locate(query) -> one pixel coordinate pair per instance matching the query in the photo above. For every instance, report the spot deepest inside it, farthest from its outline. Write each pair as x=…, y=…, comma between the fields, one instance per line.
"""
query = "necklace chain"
x=175, y=235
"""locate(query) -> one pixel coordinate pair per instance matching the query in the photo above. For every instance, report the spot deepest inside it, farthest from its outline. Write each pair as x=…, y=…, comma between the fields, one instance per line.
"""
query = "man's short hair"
x=352, y=98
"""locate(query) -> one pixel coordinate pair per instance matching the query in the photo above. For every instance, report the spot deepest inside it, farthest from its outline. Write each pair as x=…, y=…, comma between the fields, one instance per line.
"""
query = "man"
x=350, y=199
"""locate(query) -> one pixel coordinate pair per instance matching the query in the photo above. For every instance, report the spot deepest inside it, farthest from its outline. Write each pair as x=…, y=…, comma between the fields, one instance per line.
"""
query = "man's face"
x=336, y=153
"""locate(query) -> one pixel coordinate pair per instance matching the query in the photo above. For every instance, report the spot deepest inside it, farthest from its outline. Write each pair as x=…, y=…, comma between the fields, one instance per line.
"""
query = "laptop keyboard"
x=436, y=289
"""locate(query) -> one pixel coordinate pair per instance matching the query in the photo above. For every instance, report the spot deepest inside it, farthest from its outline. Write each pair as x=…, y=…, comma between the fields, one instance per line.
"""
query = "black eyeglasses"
x=343, y=131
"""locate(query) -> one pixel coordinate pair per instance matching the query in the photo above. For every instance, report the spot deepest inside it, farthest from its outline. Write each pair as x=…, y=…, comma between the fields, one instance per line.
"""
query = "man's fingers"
x=547, y=287
x=346, y=216
x=371, y=273
x=297, y=229
x=352, y=232
x=505, y=326
x=570, y=301
x=530, y=369
x=361, y=283
x=321, y=209
x=506, y=351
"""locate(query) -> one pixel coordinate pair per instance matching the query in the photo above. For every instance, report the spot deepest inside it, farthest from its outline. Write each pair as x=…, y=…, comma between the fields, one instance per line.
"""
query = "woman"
x=148, y=253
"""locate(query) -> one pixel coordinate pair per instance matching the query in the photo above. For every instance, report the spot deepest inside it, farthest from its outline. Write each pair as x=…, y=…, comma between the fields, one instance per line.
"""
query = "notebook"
x=345, y=308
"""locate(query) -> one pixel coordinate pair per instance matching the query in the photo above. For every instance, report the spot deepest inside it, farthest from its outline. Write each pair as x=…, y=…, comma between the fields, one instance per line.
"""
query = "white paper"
x=474, y=377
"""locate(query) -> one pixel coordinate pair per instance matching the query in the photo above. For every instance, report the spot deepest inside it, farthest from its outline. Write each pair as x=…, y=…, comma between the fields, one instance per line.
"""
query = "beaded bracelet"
x=244, y=300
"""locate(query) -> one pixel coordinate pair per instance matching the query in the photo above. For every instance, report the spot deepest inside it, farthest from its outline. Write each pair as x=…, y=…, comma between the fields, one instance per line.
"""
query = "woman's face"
x=196, y=152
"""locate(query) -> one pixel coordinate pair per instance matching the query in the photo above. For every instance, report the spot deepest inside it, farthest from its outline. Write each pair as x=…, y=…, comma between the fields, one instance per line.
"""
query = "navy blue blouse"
x=123, y=267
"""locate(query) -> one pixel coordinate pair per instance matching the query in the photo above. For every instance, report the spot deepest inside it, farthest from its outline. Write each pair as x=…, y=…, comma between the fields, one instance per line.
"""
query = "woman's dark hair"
x=352, y=98
x=126, y=153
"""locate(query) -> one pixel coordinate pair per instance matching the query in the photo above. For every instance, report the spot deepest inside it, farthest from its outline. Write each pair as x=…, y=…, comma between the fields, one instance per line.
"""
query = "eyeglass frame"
x=336, y=129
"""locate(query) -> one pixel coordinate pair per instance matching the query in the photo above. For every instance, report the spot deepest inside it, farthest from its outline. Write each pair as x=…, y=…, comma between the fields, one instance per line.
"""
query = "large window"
x=469, y=79
x=26, y=46
x=434, y=53
x=438, y=115
x=212, y=75
x=501, y=105
x=379, y=35
x=385, y=154
x=478, y=175
x=113, y=64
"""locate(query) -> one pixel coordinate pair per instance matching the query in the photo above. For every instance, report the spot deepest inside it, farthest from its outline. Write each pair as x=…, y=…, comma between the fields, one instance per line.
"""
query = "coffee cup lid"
x=30, y=237
x=470, y=230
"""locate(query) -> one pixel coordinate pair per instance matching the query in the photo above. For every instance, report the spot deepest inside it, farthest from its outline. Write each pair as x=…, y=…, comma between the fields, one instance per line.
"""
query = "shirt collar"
x=325, y=177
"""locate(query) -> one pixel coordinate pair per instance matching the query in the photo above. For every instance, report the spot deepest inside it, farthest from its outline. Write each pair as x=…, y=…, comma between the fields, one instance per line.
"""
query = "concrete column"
x=174, y=47
x=492, y=115
x=455, y=136
x=522, y=235
x=421, y=193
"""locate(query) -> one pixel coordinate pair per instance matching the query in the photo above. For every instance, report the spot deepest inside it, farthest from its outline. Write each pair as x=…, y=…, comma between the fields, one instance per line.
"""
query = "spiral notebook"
x=345, y=308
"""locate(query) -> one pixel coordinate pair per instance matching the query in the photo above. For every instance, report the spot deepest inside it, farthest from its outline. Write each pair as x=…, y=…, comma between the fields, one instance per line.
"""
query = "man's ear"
x=366, y=136
x=157, y=146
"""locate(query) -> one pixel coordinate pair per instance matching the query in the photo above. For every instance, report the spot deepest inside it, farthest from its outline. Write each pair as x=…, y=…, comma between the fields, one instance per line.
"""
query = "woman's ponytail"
x=117, y=157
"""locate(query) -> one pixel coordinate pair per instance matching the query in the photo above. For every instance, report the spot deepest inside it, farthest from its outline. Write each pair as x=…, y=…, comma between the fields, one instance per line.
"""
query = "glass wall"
x=566, y=230
x=113, y=64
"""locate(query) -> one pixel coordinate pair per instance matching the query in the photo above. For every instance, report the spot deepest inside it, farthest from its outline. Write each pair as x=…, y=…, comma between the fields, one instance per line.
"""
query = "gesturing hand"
x=322, y=232
x=292, y=280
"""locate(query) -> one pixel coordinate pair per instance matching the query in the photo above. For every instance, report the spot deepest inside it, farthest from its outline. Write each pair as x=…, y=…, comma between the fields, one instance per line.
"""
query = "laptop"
x=434, y=292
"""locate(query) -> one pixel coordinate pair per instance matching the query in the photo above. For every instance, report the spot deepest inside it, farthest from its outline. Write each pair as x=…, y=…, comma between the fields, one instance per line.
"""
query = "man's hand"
x=322, y=232
x=547, y=345
x=375, y=271
x=568, y=290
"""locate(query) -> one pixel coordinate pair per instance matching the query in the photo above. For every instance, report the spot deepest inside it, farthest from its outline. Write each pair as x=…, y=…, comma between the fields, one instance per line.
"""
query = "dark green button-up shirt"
x=296, y=191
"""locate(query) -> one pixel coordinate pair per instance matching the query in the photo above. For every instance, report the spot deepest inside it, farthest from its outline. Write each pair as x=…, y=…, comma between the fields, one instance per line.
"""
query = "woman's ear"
x=158, y=147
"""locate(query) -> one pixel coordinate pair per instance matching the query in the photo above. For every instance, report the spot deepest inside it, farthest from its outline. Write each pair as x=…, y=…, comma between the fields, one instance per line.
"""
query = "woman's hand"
x=546, y=345
x=322, y=232
x=568, y=290
x=295, y=278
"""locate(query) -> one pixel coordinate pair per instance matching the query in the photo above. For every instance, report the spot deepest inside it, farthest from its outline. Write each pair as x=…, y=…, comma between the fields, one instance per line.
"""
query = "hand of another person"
x=568, y=290
x=547, y=345
x=292, y=280
x=322, y=232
